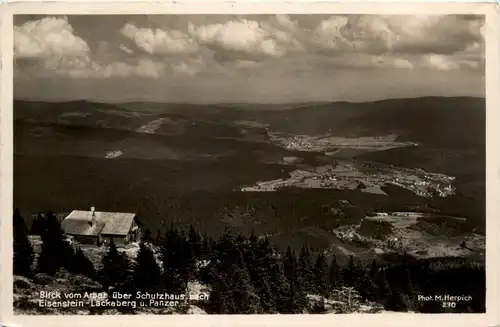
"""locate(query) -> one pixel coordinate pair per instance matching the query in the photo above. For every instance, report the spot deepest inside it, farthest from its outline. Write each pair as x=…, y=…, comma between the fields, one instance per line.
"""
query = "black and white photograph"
x=249, y=164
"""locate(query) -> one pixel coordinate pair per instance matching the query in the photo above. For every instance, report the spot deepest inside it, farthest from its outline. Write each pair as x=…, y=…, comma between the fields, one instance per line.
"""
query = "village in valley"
x=352, y=176
x=330, y=144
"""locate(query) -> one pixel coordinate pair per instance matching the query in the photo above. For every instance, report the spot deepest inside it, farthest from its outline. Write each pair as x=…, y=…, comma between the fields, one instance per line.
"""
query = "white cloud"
x=441, y=43
x=160, y=41
x=402, y=63
x=285, y=21
x=446, y=63
x=398, y=33
x=391, y=62
x=430, y=41
x=353, y=34
x=440, y=62
x=46, y=38
x=145, y=68
x=238, y=35
x=363, y=60
x=51, y=44
x=126, y=49
x=185, y=69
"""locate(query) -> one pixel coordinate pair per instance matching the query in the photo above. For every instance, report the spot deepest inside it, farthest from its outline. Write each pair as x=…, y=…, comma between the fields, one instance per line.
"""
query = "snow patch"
x=113, y=154
x=153, y=125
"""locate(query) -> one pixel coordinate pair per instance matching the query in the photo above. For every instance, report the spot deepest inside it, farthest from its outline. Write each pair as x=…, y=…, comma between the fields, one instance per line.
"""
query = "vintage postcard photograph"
x=234, y=162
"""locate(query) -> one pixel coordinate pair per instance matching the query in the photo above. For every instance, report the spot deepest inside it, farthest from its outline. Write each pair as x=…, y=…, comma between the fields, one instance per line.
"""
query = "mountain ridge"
x=224, y=104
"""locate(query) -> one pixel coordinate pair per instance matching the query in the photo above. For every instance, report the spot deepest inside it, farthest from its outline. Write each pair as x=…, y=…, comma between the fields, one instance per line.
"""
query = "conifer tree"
x=242, y=292
x=266, y=296
x=366, y=287
x=218, y=301
x=266, y=271
x=295, y=299
x=229, y=269
x=23, y=251
x=159, y=238
x=407, y=281
x=195, y=241
x=146, y=273
x=187, y=269
x=351, y=273
x=396, y=302
x=37, y=225
x=306, y=269
x=147, y=237
x=290, y=265
x=115, y=267
x=373, y=270
x=383, y=289
x=56, y=252
x=172, y=252
x=260, y=261
x=82, y=264
x=334, y=275
x=320, y=273
x=205, y=248
x=252, y=260
x=280, y=287
x=319, y=307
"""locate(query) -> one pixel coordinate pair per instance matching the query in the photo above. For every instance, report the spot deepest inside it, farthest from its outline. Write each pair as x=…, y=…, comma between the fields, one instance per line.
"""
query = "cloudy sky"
x=266, y=58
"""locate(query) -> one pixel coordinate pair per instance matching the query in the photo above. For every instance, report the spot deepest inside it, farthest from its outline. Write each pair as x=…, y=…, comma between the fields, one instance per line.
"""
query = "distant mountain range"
x=455, y=122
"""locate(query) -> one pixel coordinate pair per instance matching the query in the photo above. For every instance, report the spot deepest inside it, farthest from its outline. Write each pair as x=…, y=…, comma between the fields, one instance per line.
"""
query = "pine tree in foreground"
x=297, y=301
x=242, y=291
x=147, y=236
x=320, y=274
x=383, y=289
x=305, y=266
x=268, y=287
x=230, y=278
x=173, y=251
x=23, y=251
x=280, y=286
x=115, y=267
x=82, y=264
x=146, y=273
x=187, y=269
x=296, y=298
x=218, y=301
x=195, y=241
x=396, y=302
x=56, y=251
x=37, y=225
x=334, y=275
x=290, y=265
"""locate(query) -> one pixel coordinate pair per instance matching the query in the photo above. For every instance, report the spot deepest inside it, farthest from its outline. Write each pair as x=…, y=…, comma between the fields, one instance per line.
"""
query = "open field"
x=334, y=144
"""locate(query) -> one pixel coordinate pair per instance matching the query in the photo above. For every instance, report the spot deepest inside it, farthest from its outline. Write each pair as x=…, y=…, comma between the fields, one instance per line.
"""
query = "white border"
x=271, y=7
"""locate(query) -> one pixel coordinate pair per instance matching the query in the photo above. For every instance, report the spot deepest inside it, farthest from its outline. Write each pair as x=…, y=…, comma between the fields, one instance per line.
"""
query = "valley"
x=260, y=169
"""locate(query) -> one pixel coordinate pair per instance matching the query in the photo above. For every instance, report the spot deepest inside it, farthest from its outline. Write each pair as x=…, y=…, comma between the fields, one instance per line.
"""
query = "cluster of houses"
x=99, y=227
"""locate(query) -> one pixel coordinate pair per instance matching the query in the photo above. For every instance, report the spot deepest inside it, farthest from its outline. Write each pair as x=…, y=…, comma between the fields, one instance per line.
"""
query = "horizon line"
x=249, y=103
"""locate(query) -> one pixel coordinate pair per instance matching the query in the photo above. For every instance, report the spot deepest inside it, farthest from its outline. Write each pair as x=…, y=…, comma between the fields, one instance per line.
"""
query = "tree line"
x=246, y=274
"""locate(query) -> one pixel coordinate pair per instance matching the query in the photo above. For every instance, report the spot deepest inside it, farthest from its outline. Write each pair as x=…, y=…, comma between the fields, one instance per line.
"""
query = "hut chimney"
x=92, y=210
